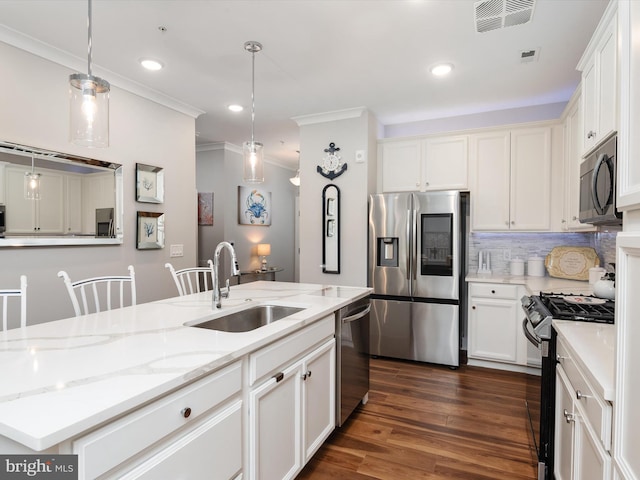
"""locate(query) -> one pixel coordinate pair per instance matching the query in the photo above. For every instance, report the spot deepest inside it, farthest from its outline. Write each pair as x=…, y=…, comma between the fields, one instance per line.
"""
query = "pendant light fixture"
x=32, y=183
x=89, y=105
x=253, y=162
x=296, y=180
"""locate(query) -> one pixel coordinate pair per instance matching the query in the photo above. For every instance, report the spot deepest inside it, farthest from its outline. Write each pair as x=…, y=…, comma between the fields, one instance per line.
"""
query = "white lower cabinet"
x=495, y=323
x=184, y=432
x=291, y=414
x=582, y=425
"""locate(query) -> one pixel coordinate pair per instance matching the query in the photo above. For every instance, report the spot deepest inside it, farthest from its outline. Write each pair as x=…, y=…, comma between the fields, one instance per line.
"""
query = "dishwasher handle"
x=358, y=315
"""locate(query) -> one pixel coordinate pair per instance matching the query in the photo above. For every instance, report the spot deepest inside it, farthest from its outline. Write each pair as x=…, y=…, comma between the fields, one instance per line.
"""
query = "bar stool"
x=7, y=293
x=99, y=288
x=192, y=280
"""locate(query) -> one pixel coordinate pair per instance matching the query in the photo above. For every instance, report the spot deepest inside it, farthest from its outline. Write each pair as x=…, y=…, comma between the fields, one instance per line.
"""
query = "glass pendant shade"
x=253, y=162
x=296, y=180
x=89, y=108
x=32, y=186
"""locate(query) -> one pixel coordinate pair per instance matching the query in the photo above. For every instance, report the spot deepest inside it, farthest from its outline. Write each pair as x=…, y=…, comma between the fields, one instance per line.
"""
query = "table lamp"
x=264, y=250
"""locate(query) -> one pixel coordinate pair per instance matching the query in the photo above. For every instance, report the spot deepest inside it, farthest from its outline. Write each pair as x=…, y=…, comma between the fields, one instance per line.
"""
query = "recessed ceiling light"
x=235, y=108
x=151, y=64
x=441, y=69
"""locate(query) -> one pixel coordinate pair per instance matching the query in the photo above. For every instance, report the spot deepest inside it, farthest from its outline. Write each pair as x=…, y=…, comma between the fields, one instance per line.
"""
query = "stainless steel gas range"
x=540, y=311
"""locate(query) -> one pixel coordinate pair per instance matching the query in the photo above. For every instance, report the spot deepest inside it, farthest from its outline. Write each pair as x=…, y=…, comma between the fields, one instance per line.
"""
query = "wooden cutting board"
x=571, y=262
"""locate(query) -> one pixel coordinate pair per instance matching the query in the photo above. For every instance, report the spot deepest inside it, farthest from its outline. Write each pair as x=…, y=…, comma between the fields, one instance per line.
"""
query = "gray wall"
x=34, y=110
x=219, y=170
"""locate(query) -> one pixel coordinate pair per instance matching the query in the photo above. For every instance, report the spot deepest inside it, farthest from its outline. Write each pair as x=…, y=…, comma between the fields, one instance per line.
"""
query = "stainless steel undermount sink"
x=249, y=319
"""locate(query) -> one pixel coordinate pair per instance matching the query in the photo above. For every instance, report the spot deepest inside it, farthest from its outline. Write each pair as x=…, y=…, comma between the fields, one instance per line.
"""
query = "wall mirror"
x=331, y=229
x=53, y=198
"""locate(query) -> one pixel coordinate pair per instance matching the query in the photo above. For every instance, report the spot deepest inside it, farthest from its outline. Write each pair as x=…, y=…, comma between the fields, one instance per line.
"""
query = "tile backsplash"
x=504, y=246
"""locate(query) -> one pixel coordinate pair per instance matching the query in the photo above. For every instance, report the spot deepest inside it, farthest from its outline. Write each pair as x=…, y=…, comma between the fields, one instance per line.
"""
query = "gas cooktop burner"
x=584, y=308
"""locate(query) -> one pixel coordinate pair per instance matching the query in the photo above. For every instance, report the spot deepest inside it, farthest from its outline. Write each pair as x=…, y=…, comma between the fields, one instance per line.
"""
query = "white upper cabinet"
x=628, y=185
x=436, y=163
x=599, y=96
x=511, y=180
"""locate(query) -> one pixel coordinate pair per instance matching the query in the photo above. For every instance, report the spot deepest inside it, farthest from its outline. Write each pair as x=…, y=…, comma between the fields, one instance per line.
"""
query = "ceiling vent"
x=495, y=14
x=528, y=56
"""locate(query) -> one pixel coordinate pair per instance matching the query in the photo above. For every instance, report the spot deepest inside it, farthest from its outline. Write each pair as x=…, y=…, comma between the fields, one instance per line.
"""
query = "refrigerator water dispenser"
x=387, y=251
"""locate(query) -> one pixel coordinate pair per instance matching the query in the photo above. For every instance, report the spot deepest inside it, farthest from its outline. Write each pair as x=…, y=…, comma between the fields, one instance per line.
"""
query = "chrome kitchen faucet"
x=220, y=293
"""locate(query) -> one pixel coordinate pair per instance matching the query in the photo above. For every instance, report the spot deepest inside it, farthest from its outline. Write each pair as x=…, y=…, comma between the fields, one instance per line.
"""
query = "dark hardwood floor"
x=430, y=422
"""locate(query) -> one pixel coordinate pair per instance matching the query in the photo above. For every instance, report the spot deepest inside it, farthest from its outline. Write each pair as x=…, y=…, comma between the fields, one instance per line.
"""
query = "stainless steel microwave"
x=598, y=186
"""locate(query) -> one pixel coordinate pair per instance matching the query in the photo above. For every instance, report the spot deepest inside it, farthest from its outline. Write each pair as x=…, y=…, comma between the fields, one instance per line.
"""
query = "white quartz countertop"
x=592, y=348
x=535, y=285
x=61, y=378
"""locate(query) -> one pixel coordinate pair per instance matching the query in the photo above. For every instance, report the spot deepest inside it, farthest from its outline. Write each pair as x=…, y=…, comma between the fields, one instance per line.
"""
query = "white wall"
x=219, y=170
x=355, y=185
x=34, y=111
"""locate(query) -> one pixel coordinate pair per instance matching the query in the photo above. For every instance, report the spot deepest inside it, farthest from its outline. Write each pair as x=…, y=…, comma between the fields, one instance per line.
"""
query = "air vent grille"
x=495, y=14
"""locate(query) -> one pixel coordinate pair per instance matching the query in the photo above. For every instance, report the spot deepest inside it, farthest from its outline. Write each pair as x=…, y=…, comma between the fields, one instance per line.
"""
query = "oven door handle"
x=530, y=336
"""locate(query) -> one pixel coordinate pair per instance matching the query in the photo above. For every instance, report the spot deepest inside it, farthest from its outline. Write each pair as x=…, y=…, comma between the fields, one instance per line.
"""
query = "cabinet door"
x=530, y=179
x=275, y=430
x=213, y=450
x=73, y=205
x=20, y=212
x=589, y=106
x=591, y=462
x=318, y=390
x=490, y=171
x=564, y=431
x=607, y=79
x=50, y=207
x=445, y=163
x=493, y=329
x=401, y=166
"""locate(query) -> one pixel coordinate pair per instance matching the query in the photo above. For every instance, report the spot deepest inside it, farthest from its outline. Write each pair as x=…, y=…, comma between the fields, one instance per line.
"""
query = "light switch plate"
x=176, y=250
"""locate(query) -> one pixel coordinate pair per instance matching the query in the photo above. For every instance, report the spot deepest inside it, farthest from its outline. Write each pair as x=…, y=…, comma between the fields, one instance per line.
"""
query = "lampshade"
x=296, y=180
x=89, y=105
x=264, y=249
x=253, y=163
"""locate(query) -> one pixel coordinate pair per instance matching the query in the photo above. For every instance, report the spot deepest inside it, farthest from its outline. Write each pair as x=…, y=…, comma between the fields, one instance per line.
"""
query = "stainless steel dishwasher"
x=352, y=358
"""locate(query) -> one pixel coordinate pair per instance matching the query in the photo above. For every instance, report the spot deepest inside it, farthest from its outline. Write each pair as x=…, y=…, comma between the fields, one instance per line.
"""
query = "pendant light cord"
x=89, y=35
x=253, y=102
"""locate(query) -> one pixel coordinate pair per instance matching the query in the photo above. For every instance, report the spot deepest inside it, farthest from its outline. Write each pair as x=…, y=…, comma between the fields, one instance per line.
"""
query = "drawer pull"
x=580, y=395
x=278, y=376
x=568, y=417
x=186, y=412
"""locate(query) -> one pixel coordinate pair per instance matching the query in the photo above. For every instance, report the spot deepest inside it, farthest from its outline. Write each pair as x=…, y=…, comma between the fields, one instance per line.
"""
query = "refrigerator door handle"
x=414, y=246
x=408, y=257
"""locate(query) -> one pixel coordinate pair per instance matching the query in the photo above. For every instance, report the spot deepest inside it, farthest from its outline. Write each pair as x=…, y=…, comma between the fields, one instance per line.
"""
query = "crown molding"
x=77, y=64
x=231, y=147
x=329, y=116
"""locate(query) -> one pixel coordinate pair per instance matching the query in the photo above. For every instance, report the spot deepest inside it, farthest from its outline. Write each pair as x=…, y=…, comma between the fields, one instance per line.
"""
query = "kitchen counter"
x=535, y=285
x=62, y=378
x=592, y=348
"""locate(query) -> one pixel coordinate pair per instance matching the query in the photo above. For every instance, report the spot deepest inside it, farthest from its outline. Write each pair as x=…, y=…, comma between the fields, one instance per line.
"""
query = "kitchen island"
x=63, y=379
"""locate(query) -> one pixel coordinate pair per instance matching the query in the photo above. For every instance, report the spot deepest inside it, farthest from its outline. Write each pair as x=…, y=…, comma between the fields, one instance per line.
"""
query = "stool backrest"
x=21, y=294
x=192, y=280
x=100, y=293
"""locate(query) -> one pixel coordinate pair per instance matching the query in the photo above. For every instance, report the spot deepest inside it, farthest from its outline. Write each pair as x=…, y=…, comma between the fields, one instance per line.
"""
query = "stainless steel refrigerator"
x=417, y=245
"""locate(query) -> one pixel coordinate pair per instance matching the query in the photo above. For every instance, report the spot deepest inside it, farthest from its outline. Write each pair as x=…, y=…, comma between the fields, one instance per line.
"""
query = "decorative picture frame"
x=254, y=206
x=149, y=183
x=205, y=208
x=150, y=230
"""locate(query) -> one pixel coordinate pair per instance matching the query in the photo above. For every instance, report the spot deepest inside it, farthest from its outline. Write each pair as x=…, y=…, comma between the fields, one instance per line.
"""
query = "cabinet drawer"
x=107, y=447
x=268, y=359
x=598, y=412
x=493, y=290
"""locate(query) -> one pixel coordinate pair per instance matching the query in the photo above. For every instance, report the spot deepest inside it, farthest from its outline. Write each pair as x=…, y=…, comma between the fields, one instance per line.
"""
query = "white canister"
x=516, y=267
x=535, y=267
x=595, y=274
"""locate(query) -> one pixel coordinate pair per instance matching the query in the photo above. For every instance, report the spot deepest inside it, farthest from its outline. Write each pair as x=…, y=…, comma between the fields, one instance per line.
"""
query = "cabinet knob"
x=580, y=395
x=186, y=412
x=493, y=291
x=574, y=218
x=563, y=221
x=306, y=375
x=591, y=134
x=426, y=184
x=507, y=223
x=559, y=358
x=513, y=222
x=568, y=417
x=473, y=308
x=417, y=184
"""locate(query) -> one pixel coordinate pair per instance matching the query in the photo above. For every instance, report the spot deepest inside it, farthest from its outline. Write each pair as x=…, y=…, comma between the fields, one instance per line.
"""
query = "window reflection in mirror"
x=78, y=200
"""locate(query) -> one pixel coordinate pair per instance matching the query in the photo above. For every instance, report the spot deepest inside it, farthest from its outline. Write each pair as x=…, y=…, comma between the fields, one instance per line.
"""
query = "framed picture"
x=205, y=208
x=150, y=230
x=149, y=184
x=254, y=206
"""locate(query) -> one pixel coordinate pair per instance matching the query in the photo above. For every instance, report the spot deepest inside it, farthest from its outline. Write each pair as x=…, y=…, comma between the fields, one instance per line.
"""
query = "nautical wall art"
x=254, y=206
